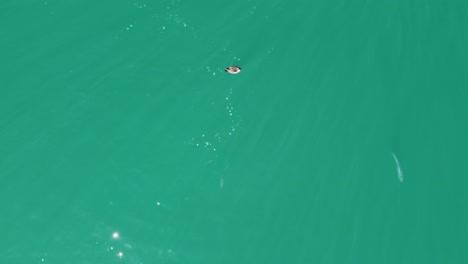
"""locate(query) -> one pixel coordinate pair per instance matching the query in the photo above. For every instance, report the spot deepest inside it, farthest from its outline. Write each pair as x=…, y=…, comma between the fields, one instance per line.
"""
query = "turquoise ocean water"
x=343, y=139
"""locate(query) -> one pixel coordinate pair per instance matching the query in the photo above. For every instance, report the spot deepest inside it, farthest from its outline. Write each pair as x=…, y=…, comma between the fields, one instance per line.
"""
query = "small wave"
x=399, y=171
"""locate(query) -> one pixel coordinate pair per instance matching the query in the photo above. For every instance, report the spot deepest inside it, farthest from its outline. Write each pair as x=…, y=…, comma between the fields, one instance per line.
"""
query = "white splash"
x=399, y=172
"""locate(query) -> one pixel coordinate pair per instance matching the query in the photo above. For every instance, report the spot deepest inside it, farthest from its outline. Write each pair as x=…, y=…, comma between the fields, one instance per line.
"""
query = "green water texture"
x=117, y=116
